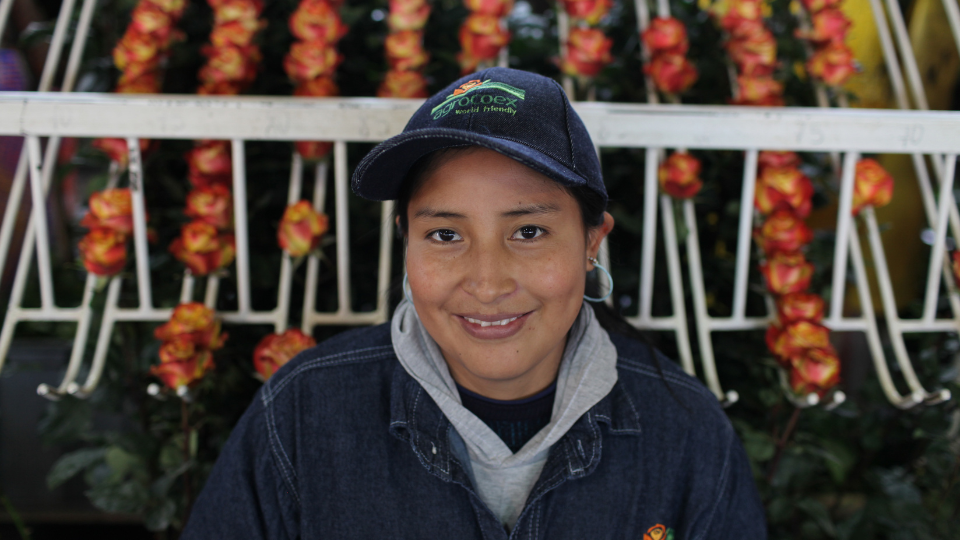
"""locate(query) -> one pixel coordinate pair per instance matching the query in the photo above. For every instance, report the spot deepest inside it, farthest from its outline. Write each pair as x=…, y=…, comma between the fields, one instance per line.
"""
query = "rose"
x=496, y=8
x=193, y=321
x=238, y=33
x=759, y=91
x=741, y=10
x=300, y=229
x=408, y=15
x=142, y=83
x=110, y=209
x=202, y=249
x=275, y=350
x=783, y=188
x=482, y=37
x=658, y=532
x=814, y=6
x=797, y=338
x=782, y=231
x=771, y=158
x=210, y=163
x=679, y=175
x=753, y=50
x=589, y=11
x=872, y=185
x=817, y=371
x=786, y=273
x=173, y=7
x=588, y=50
x=317, y=20
x=671, y=73
x=184, y=373
x=104, y=252
x=212, y=204
x=200, y=237
x=829, y=24
x=229, y=64
x=403, y=84
x=800, y=306
x=666, y=35
x=117, y=150
x=136, y=53
x=833, y=64
x=405, y=50
x=313, y=150
x=221, y=88
x=225, y=11
x=150, y=19
x=311, y=59
x=318, y=87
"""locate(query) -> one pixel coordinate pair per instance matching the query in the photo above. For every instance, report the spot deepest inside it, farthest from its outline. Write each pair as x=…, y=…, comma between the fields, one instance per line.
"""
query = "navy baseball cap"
x=520, y=114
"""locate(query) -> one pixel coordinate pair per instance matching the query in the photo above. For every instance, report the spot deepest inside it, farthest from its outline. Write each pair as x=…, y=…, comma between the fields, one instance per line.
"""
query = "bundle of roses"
x=110, y=220
x=752, y=49
x=404, y=50
x=668, y=67
x=189, y=339
x=832, y=62
x=587, y=49
x=483, y=33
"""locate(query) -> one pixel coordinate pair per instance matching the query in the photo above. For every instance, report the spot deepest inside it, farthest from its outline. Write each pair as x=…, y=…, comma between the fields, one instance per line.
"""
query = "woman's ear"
x=598, y=233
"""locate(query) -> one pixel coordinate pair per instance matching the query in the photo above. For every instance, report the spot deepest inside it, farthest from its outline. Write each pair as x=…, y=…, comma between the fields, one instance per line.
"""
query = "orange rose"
x=782, y=231
x=275, y=350
x=786, y=273
x=814, y=6
x=403, y=84
x=185, y=372
x=150, y=19
x=771, y=158
x=225, y=11
x=178, y=349
x=754, y=52
x=405, y=50
x=200, y=237
x=136, y=53
x=116, y=149
x=829, y=24
x=588, y=50
x=666, y=35
x=783, y=188
x=817, y=371
x=797, y=338
x=679, y=175
x=408, y=15
x=759, y=91
x=210, y=163
x=211, y=204
x=319, y=87
x=193, y=321
x=496, y=8
x=202, y=249
x=872, y=185
x=832, y=64
x=590, y=11
x=300, y=229
x=671, y=73
x=657, y=532
x=147, y=82
x=173, y=7
x=739, y=11
x=104, y=252
x=317, y=20
x=800, y=306
x=311, y=59
x=229, y=64
x=110, y=209
x=481, y=37
x=235, y=33
x=313, y=150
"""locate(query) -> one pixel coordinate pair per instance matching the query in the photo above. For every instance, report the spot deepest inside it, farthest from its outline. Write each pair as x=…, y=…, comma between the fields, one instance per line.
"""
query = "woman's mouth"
x=493, y=326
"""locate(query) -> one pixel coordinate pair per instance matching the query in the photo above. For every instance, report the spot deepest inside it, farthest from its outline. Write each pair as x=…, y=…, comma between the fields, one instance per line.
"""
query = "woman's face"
x=497, y=258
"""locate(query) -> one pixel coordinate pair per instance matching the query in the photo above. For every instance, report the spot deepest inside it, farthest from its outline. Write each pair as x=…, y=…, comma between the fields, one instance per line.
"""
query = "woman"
x=494, y=404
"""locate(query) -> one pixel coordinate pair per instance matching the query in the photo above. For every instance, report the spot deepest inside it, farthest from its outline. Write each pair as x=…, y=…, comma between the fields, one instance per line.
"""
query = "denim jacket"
x=343, y=443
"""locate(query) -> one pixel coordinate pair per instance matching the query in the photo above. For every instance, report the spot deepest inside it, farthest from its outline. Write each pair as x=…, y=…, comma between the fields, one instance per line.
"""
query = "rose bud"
x=786, y=273
x=759, y=92
x=210, y=163
x=817, y=371
x=185, y=372
x=482, y=37
x=300, y=229
x=872, y=185
x=211, y=204
x=671, y=73
x=110, y=209
x=829, y=24
x=782, y=231
x=275, y=350
x=403, y=84
x=309, y=60
x=496, y=8
x=796, y=338
x=588, y=51
x=800, y=306
x=408, y=15
x=404, y=50
x=666, y=35
x=200, y=264
x=783, y=188
x=679, y=175
x=755, y=54
x=832, y=64
x=317, y=20
x=193, y=321
x=104, y=252
x=770, y=158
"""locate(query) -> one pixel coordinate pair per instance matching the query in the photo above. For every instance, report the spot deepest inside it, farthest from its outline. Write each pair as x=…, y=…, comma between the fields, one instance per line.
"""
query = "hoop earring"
x=406, y=288
x=609, y=280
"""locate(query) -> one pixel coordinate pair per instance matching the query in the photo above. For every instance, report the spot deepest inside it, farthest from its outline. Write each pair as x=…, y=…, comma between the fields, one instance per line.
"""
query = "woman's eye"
x=444, y=235
x=528, y=232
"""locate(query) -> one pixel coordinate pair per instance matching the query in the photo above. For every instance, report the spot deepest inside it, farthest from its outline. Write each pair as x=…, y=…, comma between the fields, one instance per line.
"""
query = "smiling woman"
x=494, y=404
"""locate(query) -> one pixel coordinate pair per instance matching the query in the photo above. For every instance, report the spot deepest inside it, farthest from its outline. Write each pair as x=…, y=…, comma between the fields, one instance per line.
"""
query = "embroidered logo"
x=465, y=100
x=658, y=532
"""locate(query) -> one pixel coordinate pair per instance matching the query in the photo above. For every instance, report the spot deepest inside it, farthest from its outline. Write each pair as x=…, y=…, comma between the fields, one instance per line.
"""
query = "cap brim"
x=380, y=173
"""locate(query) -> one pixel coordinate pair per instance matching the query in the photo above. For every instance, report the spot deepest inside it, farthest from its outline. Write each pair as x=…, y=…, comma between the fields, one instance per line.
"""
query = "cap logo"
x=460, y=102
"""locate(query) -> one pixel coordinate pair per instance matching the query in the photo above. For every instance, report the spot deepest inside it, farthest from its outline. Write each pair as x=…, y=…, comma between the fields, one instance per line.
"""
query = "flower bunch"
x=587, y=49
x=189, y=339
x=753, y=50
x=313, y=59
x=404, y=48
x=831, y=61
x=110, y=220
x=679, y=175
x=301, y=229
x=483, y=33
x=668, y=67
x=275, y=350
x=138, y=55
x=800, y=343
x=232, y=56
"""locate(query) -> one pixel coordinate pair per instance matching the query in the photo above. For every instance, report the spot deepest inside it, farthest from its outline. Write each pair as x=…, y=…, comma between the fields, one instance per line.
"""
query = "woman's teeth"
x=488, y=323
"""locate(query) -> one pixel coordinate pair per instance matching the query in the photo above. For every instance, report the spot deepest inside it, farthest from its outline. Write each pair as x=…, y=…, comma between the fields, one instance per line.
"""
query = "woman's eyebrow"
x=531, y=209
x=434, y=213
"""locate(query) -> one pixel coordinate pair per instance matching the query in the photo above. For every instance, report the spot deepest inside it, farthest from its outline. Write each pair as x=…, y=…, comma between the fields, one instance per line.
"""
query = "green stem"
x=187, y=484
x=782, y=444
x=15, y=517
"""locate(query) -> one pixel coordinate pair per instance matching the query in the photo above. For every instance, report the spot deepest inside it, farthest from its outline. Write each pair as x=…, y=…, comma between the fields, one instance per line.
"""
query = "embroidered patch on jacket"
x=658, y=532
x=465, y=99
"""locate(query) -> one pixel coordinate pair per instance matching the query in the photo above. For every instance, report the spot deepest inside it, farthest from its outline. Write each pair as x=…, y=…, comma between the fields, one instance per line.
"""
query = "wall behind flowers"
x=863, y=470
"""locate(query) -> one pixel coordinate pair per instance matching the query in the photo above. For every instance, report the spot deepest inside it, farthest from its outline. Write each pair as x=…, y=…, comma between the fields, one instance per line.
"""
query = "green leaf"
x=819, y=513
x=70, y=464
x=126, y=498
x=159, y=517
x=839, y=457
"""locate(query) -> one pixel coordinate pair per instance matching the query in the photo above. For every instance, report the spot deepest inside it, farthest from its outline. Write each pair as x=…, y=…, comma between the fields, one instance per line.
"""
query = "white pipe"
x=139, y=224
x=909, y=60
x=386, y=252
x=649, y=247
x=39, y=200
x=103, y=342
x=744, y=236
x=240, y=224
x=953, y=16
x=5, y=7
x=79, y=42
x=52, y=62
x=309, y=318
x=844, y=219
x=675, y=275
x=79, y=344
x=286, y=264
x=939, y=244
x=13, y=208
x=341, y=188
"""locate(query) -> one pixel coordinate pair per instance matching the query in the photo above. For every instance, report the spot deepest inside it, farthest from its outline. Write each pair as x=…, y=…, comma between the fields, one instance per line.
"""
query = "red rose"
x=833, y=64
x=671, y=73
x=787, y=273
x=211, y=204
x=275, y=350
x=589, y=11
x=771, y=158
x=210, y=163
x=679, y=176
x=782, y=231
x=104, y=252
x=408, y=15
x=759, y=91
x=311, y=59
x=110, y=209
x=783, y=188
x=666, y=35
x=405, y=50
x=301, y=228
x=495, y=8
x=817, y=371
x=829, y=24
x=800, y=306
x=872, y=185
x=482, y=37
x=403, y=84
x=588, y=51
x=193, y=321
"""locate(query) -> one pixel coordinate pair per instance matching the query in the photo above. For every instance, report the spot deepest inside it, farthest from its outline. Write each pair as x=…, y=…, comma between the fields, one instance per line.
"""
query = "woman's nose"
x=488, y=277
